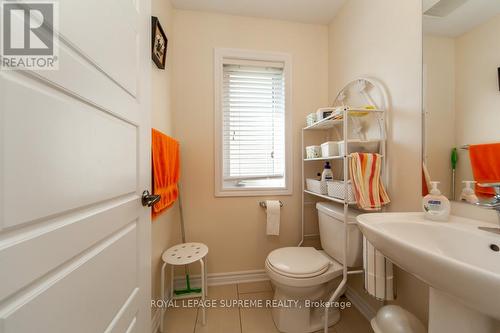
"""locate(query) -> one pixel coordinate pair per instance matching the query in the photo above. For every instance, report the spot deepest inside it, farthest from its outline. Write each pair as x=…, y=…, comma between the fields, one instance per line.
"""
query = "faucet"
x=491, y=204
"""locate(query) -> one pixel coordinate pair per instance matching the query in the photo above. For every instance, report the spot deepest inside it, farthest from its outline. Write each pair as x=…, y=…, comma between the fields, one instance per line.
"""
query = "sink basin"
x=456, y=259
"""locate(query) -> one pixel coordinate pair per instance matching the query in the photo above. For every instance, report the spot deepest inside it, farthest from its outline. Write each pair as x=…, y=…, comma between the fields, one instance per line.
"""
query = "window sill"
x=250, y=192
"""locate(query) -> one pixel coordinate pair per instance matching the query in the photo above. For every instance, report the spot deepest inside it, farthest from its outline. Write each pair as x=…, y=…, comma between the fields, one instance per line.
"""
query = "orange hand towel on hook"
x=166, y=170
x=485, y=163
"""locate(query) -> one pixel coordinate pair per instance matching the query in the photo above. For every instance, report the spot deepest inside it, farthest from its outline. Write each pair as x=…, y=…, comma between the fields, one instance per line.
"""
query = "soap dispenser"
x=468, y=193
x=327, y=174
x=436, y=206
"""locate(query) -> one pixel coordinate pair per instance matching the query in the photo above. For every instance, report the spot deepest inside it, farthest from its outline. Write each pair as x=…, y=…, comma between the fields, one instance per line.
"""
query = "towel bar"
x=263, y=204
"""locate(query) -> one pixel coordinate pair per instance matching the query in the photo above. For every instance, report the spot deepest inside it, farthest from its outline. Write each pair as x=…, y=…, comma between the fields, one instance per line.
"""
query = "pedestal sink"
x=459, y=262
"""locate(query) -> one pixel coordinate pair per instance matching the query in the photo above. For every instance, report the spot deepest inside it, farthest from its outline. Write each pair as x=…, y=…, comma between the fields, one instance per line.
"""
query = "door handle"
x=149, y=199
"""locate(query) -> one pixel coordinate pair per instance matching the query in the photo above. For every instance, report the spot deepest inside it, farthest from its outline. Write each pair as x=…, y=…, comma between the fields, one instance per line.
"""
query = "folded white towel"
x=379, y=273
x=273, y=217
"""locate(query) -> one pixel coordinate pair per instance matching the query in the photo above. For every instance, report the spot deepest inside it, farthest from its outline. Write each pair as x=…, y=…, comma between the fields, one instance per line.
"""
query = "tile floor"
x=246, y=319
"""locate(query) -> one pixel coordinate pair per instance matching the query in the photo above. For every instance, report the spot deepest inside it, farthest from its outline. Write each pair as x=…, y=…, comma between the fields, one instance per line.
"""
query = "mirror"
x=461, y=97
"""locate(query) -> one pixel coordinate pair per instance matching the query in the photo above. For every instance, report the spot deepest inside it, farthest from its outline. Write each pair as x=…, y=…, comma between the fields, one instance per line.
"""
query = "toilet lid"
x=299, y=262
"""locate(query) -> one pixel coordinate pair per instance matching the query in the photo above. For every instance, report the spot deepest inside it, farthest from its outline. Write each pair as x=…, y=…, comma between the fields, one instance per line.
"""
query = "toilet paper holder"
x=264, y=205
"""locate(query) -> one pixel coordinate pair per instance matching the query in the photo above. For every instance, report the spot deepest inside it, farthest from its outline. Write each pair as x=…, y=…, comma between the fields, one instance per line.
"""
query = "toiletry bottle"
x=436, y=206
x=327, y=174
x=468, y=193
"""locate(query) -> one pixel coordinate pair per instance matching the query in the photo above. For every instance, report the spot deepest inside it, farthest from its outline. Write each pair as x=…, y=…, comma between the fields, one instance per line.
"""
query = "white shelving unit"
x=353, y=122
x=329, y=198
x=329, y=158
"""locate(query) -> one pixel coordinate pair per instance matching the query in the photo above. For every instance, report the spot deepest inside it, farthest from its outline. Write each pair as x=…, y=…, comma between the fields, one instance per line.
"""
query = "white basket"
x=329, y=148
x=313, y=152
x=336, y=189
x=311, y=119
x=316, y=186
x=358, y=146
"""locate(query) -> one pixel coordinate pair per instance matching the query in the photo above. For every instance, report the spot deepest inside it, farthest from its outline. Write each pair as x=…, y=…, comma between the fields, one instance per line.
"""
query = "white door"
x=74, y=160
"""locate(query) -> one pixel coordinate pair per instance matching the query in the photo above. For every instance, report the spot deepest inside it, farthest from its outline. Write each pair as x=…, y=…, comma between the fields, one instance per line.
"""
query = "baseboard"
x=360, y=303
x=218, y=279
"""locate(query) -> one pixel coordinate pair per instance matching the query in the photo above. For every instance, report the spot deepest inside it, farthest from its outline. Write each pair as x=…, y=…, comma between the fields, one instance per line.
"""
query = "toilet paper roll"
x=273, y=217
x=379, y=274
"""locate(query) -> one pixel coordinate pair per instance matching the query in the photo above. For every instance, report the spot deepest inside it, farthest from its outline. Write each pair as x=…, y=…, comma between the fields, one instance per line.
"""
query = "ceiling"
x=467, y=16
x=307, y=11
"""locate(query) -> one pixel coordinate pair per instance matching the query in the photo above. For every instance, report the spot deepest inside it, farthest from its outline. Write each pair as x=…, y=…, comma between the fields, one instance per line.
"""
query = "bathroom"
x=78, y=250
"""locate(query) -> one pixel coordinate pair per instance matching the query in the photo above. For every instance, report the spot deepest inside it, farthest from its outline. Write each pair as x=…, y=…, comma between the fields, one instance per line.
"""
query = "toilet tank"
x=331, y=232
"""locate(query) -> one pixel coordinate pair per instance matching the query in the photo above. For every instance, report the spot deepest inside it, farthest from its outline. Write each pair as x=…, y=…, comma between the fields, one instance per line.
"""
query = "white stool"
x=179, y=255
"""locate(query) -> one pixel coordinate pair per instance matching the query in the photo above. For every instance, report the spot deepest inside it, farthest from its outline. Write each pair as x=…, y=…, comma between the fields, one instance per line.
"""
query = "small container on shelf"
x=359, y=146
x=313, y=152
x=311, y=118
x=329, y=148
x=323, y=113
x=336, y=189
x=316, y=186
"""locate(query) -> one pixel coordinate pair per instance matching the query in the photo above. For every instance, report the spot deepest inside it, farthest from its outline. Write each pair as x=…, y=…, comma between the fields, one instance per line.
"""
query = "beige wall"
x=477, y=95
x=382, y=39
x=478, y=98
x=234, y=228
x=165, y=229
x=439, y=105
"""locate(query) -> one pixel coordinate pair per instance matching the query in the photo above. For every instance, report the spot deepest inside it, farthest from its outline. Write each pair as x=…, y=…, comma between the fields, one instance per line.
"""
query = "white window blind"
x=253, y=105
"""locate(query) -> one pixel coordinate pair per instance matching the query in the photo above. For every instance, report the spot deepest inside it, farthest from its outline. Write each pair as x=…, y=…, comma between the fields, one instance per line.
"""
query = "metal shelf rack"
x=363, y=90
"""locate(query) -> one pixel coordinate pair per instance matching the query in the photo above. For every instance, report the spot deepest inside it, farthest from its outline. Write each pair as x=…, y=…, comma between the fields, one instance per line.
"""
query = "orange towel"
x=426, y=180
x=425, y=188
x=166, y=170
x=365, y=175
x=485, y=162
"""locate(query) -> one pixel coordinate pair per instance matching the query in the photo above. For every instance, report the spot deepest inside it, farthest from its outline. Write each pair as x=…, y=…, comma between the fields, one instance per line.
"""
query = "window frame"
x=220, y=54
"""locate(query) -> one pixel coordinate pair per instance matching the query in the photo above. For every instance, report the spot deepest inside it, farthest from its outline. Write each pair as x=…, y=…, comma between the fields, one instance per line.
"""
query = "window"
x=252, y=123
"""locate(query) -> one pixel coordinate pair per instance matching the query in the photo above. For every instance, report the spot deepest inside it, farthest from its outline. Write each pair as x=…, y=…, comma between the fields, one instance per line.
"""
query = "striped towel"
x=365, y=175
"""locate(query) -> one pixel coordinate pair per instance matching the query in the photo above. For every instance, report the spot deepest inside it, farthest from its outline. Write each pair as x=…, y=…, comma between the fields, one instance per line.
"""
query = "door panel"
x=78, y=150
x=105, y=31
x=133, y=327
x=74, y=160
x=126, y=320
x=104, y=93
x=33, y=245
x=94, y=285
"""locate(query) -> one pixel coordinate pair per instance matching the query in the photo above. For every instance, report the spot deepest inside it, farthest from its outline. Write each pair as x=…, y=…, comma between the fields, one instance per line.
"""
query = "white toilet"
x=305, y=275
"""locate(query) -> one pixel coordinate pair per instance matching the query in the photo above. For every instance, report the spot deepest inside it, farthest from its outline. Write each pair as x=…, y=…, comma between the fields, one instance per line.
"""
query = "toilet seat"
x=334, y=269
x=298, y=262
